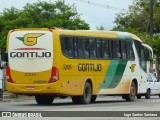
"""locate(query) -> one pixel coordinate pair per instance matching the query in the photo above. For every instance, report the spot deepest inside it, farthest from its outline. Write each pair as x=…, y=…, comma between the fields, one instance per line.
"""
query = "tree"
x=38, y=15
x=100, y=28
x=137, y=21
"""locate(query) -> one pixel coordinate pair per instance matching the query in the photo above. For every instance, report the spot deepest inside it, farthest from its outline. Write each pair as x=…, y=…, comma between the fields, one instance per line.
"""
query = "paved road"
x=103, y=103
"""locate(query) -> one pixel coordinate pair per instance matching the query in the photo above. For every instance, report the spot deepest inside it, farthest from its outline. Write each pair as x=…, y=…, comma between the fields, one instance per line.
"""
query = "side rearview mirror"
x=150, y=50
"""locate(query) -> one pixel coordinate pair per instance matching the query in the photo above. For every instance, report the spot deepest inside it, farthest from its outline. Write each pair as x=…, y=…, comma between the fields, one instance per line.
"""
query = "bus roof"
x=97, y=33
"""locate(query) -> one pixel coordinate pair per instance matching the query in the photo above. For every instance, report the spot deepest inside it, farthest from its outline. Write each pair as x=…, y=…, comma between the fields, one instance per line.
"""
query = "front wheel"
x=44, y=99
x=132, y=94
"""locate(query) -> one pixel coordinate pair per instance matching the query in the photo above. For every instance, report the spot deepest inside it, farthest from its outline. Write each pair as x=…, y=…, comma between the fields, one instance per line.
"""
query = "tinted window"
x=67, y=46
x=129, y=50
x=138, y=48
x=86, y=48
x=124, y=50
x=99, y=48
x=141, y=54
x=105, y=49
x=78, y=47
x=92, y=48
x=116, y=50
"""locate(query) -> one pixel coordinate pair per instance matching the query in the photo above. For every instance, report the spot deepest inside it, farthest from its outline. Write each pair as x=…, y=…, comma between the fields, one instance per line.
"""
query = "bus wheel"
x=139, y=96
x=87, y=93
x=148, y=94
x=93, y=98
x=132, y=94
x=44, y=99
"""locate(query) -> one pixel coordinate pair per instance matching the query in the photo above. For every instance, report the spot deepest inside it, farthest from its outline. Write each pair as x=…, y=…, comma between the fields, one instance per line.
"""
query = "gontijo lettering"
x=89, y=67
x=30, y=54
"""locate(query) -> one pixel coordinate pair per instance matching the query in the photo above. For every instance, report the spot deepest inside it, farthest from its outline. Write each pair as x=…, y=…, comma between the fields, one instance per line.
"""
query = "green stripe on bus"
x=110, y=74
x=119, y=73
x=114, y=74
x=116, y=67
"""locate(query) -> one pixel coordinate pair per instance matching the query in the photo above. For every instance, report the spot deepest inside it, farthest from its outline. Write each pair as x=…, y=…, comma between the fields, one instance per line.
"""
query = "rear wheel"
x=44, y=99
x=148, y=94
x=132, y=94
x=86, y=97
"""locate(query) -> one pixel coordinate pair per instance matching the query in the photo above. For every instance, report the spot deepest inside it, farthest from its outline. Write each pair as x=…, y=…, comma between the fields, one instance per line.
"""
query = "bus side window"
x=99, y=48
x=67, y=46
x=130, y=53
x=92, y=47
x=116, y=49
x=78, y=47
x=86, y=48
x=124, y=50
x=143, y=61
x=105, y=49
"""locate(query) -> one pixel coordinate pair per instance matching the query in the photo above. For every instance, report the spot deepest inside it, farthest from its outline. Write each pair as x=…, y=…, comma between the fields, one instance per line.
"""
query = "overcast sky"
x=95, y=12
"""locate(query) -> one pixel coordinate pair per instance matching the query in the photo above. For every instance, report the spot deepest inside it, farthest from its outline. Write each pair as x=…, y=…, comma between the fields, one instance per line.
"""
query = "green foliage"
x=100, y=28
x=136, y=21
x=156, y=43
x=40, y=15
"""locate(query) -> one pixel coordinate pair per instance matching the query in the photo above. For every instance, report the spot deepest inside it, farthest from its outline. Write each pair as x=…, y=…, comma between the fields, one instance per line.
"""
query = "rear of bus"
x=30, y=62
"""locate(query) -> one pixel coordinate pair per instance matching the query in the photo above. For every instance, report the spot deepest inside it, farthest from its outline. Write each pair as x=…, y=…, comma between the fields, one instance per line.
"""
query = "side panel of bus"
x=32, y=75
x=114, y=77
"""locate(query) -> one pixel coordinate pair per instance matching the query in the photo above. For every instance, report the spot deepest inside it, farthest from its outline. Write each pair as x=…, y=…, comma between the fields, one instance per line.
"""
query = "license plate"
x=30, y=87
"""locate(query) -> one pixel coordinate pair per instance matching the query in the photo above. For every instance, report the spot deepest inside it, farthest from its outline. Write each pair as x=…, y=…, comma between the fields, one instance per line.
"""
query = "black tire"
x=159, y=96
x=133, y=91
x=44, y=99
x=87, y=93
x=139, y=96
x=148, y=94
x=93, y=98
